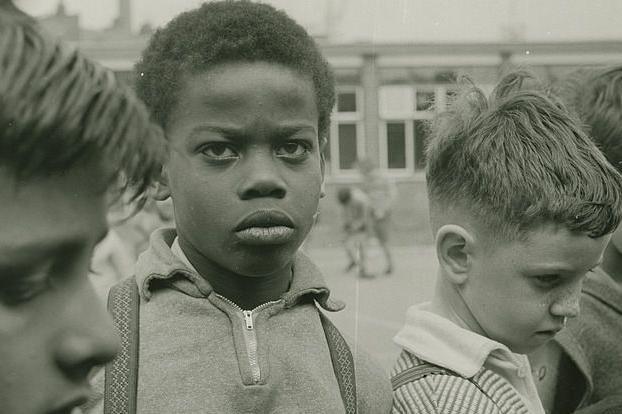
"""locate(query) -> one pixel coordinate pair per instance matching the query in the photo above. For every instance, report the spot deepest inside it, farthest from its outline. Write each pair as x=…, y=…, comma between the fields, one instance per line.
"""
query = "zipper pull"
x=248, y=318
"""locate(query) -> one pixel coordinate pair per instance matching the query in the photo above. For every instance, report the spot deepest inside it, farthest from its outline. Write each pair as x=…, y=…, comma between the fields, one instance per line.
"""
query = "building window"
x=424, y=100
x=346, y=133
x=396, y=145
x=347, y=146
x=346, y=102
x=405, y=111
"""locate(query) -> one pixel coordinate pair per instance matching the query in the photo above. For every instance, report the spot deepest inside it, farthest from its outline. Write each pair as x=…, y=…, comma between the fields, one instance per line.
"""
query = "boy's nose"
x=262, y=179
x=89, y=340
x=567, y=305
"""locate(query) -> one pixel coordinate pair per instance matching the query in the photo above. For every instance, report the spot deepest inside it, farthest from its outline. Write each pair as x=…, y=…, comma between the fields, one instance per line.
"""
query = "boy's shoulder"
x=600, y=288
x=422, y=387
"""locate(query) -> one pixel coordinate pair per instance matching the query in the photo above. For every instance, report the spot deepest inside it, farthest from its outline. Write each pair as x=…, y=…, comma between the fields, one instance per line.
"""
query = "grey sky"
x=397, y=20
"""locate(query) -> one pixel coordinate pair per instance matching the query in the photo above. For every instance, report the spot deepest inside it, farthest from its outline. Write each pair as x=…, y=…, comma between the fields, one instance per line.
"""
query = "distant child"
x=381, y=192
x=71, y=139
x=587, y=356
x=229, y=316
x=356, y=226
x=521, y=203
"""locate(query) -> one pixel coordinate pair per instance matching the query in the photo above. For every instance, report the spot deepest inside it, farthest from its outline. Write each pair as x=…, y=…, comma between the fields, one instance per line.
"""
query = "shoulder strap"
x=343, y=363
x=416, y=373
x=424, y=369
x=121, y=378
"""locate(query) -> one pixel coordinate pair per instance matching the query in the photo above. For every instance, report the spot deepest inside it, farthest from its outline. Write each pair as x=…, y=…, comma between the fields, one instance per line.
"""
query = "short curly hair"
x=520, y=159
x=223, y=32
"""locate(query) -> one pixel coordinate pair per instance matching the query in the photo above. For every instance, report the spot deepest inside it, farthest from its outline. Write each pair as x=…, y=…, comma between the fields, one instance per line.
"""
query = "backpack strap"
x=343, y=363
x=121, y=378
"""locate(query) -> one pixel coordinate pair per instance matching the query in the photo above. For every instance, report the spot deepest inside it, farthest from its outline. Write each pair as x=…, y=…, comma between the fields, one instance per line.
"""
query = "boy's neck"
x=247, y=292
x=612, y=263
x=448, y=302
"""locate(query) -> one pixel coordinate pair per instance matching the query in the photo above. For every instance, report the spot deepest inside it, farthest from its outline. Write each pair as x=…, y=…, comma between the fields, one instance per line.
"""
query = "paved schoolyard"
x=375, y=307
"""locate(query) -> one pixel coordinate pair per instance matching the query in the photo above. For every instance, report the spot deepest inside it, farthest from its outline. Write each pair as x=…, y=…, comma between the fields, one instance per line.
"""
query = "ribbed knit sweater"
x=484, y=393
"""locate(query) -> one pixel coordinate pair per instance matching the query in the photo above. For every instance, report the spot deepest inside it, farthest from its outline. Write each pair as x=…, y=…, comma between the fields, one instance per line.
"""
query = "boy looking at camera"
x=229, y=308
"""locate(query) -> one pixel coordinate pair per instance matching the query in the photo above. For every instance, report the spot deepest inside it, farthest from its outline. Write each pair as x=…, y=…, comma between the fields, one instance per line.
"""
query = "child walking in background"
x=521, y=204
x=229, y=316
x=381, y=193
x=356, y=226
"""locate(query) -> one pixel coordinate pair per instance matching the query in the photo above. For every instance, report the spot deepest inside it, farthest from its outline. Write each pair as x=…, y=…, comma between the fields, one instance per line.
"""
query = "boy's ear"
x=453, y=247
x=162, y=190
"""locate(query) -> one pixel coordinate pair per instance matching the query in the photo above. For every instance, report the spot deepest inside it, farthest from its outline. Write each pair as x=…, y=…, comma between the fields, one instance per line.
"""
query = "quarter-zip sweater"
x=201, y=353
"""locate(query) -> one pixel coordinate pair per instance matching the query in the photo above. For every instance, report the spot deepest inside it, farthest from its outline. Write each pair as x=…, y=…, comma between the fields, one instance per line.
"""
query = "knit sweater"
x=463, y=372
x=197, y=354
x=484, y=393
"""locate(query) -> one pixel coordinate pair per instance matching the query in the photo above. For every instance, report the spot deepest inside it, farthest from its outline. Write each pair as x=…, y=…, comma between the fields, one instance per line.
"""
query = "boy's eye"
x=547, y=280
x=293, y=149
x=18, y=292
x=219, y=151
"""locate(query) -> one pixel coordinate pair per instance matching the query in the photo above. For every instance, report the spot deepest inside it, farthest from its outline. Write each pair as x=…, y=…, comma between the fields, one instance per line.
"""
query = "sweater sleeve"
x=442, y=394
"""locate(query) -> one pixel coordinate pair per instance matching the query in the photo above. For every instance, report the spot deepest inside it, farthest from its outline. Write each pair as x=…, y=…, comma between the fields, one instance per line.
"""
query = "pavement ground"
x=375, y=307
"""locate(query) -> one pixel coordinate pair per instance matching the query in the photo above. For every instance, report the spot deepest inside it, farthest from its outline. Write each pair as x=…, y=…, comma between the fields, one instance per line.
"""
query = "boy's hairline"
x=186, y=73
x=511, y=233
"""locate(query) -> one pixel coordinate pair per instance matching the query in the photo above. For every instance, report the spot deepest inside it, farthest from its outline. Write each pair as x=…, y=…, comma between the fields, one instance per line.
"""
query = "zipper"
x=250, y=336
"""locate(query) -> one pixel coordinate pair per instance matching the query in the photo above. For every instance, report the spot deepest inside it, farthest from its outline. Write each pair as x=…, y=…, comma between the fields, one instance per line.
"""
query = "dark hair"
x=59, y=110
x=596, y=96
x=520, y=159
x=222, y=32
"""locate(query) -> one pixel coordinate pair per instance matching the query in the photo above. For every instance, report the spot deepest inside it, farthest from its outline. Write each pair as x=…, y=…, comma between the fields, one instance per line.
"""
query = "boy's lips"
x=552, y=332
x=265, y=227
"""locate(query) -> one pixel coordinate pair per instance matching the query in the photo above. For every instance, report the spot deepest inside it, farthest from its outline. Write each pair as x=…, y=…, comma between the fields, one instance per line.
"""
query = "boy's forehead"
x=242, y=94
x=40, y=213
x=230, y=84
x=557, y=248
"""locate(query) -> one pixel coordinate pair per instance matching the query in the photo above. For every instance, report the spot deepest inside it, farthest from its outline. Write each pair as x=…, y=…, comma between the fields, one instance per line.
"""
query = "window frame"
x=408, y=117
x=358, y=119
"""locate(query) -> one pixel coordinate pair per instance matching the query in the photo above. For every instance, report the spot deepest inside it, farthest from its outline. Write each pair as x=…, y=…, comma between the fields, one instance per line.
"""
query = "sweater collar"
x=162, y=265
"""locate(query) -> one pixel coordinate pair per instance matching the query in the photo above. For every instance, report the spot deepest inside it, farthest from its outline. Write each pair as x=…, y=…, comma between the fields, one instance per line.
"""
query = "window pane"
x=396, y=145
x=425, y=99
x=420, y=130
x=346, y=102
x=347, y=146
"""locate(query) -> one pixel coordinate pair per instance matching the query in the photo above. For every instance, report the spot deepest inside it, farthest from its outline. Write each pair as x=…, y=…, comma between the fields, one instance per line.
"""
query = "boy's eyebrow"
x=225, y=130
x=235, y=132
x=292, y=129
x=555, y=267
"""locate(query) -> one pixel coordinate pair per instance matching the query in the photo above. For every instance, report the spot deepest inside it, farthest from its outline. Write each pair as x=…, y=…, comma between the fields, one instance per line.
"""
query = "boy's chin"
x=266, y=263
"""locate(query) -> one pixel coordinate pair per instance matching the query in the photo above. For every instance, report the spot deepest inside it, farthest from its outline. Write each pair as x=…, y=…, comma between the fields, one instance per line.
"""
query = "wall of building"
x=387, y=93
